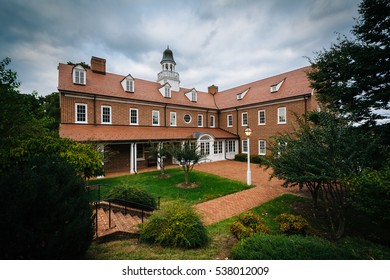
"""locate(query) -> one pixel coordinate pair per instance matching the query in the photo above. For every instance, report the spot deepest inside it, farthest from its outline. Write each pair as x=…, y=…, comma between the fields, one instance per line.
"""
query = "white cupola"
x=168, y=74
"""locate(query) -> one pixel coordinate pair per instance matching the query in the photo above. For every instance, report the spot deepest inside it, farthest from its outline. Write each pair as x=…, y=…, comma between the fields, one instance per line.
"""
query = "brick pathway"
x=231, y=205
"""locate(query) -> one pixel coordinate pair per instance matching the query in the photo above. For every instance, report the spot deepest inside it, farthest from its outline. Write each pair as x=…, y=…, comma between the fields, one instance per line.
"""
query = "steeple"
x=168, y=74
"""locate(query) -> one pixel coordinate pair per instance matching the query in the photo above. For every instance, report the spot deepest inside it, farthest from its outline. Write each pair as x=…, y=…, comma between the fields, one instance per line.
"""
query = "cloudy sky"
x=221, y=42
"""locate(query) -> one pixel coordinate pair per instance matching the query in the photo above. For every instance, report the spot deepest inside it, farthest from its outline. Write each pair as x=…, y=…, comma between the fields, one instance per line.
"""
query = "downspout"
x=207, y=118
x=305, y=98
x=239, y=138
x=165, y=115
x=94, y=109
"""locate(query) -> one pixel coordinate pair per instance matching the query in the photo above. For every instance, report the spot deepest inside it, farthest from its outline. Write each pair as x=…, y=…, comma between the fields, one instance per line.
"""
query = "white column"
x=135, y=158
x=159, y=146
x=132, y=159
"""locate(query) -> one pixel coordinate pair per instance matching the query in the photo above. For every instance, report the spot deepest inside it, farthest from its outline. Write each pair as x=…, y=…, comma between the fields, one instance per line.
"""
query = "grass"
x=208, y=186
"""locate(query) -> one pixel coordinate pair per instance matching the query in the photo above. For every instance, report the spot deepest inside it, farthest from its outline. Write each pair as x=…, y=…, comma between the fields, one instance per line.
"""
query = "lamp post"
x=248, y=133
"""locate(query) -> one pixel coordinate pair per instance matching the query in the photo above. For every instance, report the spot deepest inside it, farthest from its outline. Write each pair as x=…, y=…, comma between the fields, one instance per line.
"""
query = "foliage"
x=44, y=211
x=248, y=224
x=325, y=156
x=254, y=158
x=176, y=225
x=291, y=224
x=371, y=193
x=352, y=77
x=132, y=194
x=188, y=155
x=160, y=153
x=297, y=247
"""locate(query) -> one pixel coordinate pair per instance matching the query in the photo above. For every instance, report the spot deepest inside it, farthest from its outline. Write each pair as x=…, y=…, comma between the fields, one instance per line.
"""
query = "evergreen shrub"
x=291, y=224
x=132, y=194
x=248, y=224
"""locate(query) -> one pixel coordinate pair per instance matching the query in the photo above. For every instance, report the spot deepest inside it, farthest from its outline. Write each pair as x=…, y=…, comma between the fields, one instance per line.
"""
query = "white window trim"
x=285, y=115
x=242, y=146
x=167, y=91
x=86, y=112
x=101, y=114
x=242, y=118
x=158, y=118
x=258, y=118
x=134, y=109
x=189, y=120
x=265, y=148
x=227, y=120
x=170, y=119
x=200, y=118
x=129, y=85
x=212, y=121
x=79, y=69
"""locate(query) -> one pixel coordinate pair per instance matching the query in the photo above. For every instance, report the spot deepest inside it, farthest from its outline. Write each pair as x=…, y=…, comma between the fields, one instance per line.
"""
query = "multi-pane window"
x=218, y=147
x=244, y=119
x=231, y=146
x=187, y=118
x=155, y=117
x=133, y=116
x=79, y=75
x=130, y=85
x=244, y=146
x=106, y=114
x=205, y=148
x=200, y=120
x=212, y=121
x=282, y=115
x=81, y=113
x=261, y=117
x=229, y=120
x=172, y=117
x=167, y=91
x=262, y=147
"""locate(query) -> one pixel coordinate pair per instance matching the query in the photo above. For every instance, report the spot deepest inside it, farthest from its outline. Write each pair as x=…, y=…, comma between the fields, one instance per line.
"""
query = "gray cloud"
x=224, y=42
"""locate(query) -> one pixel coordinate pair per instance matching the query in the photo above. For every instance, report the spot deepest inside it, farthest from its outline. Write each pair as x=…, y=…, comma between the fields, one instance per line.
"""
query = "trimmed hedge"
x=291, y=224
x=176, y=225
x=132, y=194
x=254, y=158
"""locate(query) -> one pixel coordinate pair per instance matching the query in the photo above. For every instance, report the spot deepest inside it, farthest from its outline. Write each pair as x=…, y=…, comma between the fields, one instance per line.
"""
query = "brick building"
x=128, y=114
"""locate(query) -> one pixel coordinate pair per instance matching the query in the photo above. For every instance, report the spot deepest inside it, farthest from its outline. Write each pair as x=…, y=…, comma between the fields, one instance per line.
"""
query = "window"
x=245, y=146
x=262, y=147
x=261, y=117
x=218, y=147
x=133, y=116
x=231, y=146
x=106, y=114
x=129, y=85
x=187, y=118
x=200, y=120
x=155, y=118
x=205, y=148
x=172, y=117
x=244, y=119
x=282, y=115
x=194, y=97
x=167, y=91
x=229, y=120
x=140, y=152
x=212, y=121
x=81, y=113
x=79, y=75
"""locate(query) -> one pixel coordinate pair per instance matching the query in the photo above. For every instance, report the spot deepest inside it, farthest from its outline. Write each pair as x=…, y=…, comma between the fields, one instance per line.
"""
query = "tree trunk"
x=186, y=175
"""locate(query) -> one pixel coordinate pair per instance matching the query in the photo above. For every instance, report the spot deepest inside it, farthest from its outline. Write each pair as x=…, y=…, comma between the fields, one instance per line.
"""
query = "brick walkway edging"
x=222, y=208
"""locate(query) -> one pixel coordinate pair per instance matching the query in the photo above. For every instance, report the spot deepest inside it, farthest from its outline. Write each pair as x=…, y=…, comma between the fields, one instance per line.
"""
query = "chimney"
x=213, y=89
x=98, y=65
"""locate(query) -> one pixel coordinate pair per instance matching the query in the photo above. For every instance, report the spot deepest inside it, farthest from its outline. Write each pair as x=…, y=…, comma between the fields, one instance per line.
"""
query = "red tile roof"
x=80, y=132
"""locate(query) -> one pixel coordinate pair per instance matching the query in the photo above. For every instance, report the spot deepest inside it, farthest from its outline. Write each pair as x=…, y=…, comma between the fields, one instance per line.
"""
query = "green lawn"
x=208, y=186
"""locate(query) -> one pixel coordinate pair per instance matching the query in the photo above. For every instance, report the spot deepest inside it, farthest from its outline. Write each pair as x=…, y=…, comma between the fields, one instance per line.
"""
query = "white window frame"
x=259, y=118
x=137, y=116
x=102, y=113
x=185, y=120
x=76, y=112
x=262, y=150
x=231, y=146
x=282, y=111
x=228, y=124
x=157, y=113
x=212, y=121
x=129, y=85
x=200, y=120
x=79, y=75
x=242, y=119
x=218, y=147
x=244, y=147
x=205, y=148
x=167, y=91
x=172, y=114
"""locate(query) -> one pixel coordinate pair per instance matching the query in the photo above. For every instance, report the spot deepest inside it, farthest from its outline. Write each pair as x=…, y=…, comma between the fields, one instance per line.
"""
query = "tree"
x=352, y=78
x=188, y=155
x=160, y=153
x=324, y=155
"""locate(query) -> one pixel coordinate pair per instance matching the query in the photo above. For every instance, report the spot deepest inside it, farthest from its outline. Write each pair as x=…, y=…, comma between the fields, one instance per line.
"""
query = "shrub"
x=177, y=225
x=281, y=247
x=254, y=158
x=248, y=224
x=44, y=211
x=291, y=224
x=133, y=194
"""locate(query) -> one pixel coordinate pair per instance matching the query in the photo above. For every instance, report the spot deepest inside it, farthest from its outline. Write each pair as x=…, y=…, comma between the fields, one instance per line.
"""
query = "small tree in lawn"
x=160, y=152
x=188, y=155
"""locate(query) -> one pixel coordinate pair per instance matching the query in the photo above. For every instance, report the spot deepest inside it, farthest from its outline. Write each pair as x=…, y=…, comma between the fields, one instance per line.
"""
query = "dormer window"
x=79, y=75
x=241, y=95
x=128, y=84
x=167, y=91
x=192, y=95
x=276, y=87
